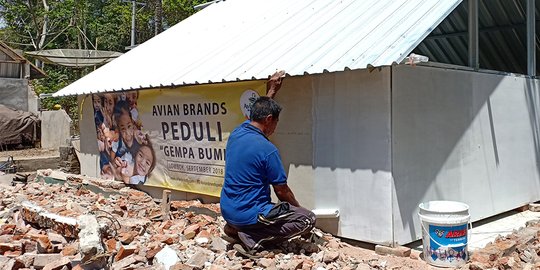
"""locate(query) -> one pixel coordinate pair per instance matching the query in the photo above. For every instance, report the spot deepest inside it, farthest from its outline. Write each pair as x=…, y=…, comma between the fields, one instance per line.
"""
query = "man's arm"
x=274, y=84
x=285, y=194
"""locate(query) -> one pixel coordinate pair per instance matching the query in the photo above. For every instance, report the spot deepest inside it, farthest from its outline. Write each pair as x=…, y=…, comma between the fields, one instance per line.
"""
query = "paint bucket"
x=445, y=232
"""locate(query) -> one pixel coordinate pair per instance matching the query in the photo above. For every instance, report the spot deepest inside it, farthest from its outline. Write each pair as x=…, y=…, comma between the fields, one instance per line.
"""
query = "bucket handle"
x=427, y=232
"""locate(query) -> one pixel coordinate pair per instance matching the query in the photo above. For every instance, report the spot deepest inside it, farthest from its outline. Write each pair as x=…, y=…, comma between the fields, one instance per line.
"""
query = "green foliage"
x=80, y=24
x=57, y=78
x=175, y=11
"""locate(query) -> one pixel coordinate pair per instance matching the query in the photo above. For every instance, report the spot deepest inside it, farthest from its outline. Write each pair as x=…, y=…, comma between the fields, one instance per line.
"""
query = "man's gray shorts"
x=284, y=221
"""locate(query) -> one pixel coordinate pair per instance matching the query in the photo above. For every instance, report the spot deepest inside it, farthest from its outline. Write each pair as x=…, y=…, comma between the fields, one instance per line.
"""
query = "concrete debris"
x=399, y=251
x=32, y=213
x=167, y=257
x=87, y=223
x=89, y=236
x=518, y=250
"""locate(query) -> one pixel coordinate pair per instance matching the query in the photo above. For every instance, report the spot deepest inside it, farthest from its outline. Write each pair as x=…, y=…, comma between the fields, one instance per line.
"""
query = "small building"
x=366, y=129
x=15, y=73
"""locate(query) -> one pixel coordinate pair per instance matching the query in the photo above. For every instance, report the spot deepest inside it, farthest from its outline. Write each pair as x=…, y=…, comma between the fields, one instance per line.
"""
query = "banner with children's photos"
x=173, y=138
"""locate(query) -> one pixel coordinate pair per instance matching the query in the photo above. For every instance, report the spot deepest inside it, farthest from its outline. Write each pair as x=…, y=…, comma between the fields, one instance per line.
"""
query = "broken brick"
x=58, y=264
x=127, y=237
x=43, y=259
x=152, y=253
x=26, y=259
x=6, y=238
x=110, y=245
x=29, y=246
x=13, y=253
x=191, y=231
x=56, y=238
x=44, y=245
x=124, y=251
x=69, y=250
x=7, y=248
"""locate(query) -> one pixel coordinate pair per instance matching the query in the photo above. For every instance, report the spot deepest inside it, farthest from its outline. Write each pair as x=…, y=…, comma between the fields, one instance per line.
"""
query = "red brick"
x=152, y=253
x=168, y=239
x=7, y=229
x=69, y=250
x=44, y=245
x=124, y=251
x=127, y=237
x=13, y=254
x=110, y=245
x=6, y=247
x=191, y=231
x=205, y=234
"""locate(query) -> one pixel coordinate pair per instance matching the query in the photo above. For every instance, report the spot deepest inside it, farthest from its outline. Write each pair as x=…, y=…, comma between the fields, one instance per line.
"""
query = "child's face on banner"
x=97, y=102
x=109, y=103
x=144, y=160
x=132, y=99
x=126, y=129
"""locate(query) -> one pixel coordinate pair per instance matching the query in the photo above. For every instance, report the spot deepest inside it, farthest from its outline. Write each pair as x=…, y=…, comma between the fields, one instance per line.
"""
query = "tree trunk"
x=44, y=29
x=158, y=18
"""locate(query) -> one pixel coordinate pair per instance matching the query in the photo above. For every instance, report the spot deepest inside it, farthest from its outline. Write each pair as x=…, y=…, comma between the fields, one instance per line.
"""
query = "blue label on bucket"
x=448, y=243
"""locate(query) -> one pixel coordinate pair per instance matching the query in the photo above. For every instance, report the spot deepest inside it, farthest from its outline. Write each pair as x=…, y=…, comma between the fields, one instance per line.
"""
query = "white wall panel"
x=351, y=151
x=89, y=154
x=464, y=136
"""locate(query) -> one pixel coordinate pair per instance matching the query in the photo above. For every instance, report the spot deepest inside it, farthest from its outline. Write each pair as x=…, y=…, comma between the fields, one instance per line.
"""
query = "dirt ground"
x=25, y=153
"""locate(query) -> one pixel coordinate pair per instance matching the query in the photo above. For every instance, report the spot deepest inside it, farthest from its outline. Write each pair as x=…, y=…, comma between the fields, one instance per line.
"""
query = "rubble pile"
x=74, y=225
x=519, y=250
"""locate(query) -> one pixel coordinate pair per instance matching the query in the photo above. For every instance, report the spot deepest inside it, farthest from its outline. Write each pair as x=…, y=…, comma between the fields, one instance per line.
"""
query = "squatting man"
x=252, y=165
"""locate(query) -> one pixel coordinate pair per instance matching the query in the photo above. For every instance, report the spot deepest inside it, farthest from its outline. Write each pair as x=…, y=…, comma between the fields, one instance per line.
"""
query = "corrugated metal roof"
x=502, y=36
x=249, y=39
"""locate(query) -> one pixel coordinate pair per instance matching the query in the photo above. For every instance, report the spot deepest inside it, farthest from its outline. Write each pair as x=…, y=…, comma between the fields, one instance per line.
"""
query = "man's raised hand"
x=274, y=83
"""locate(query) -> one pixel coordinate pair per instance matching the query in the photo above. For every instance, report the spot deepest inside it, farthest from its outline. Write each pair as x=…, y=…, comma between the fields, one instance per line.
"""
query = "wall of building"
x=10, y=68
x=14, y=93
x=334, y=139
x=462, y=136
x=88, y=149
x=55, y=129
x=351, y=156
x=33, y=101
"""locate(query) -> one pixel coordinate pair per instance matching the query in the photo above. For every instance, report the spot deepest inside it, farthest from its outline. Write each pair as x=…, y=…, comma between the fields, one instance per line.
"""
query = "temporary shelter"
x=364, y=136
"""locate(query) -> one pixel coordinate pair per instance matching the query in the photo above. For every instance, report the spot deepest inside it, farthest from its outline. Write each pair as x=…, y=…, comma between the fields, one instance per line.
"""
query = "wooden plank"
x=165, y=204
x=11, y=62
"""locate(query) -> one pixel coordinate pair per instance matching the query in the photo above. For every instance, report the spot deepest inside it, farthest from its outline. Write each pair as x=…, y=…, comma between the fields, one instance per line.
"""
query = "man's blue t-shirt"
x=252, y=164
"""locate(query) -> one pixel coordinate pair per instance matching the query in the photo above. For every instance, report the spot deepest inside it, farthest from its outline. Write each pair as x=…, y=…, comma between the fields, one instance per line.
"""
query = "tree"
x=33, y=25
x=175, y=11
x=158, y=18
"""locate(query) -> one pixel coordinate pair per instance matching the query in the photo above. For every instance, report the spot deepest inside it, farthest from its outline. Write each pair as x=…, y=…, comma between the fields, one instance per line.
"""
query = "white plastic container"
x=445, y=232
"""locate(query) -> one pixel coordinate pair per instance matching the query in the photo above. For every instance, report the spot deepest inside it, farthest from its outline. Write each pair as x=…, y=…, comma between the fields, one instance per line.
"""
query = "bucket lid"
x=443, y=207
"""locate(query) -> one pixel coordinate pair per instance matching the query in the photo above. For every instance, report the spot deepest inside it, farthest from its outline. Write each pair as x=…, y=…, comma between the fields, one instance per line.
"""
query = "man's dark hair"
x=264, y=106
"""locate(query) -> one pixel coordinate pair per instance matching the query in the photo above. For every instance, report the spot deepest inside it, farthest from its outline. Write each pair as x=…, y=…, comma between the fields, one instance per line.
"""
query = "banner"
x=173, y=138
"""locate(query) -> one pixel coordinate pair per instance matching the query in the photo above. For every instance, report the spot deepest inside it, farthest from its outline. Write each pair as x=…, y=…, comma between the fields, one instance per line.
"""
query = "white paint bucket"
x=445, y=232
